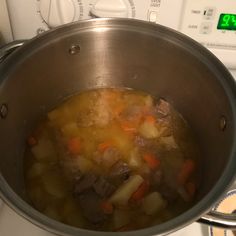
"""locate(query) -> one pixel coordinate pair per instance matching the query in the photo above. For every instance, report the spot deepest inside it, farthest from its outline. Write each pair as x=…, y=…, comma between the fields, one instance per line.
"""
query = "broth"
x=112, y=160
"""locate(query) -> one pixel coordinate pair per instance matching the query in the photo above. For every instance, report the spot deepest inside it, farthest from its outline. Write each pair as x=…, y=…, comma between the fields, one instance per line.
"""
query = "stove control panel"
x=212, y=24
x=32, y=17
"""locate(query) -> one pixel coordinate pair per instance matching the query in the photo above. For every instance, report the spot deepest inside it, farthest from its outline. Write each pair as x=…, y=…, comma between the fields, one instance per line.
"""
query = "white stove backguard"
x=202, y=20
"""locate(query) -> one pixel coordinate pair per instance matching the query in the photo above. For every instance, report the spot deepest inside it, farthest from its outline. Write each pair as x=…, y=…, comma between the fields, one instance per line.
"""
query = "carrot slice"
x=103, y=146
x=150, y=119
x=32, y=141
x=152, y=161
x=185, y=171
x=74, y=145
x=141, y=191
x=107, y=207
x=128, y=127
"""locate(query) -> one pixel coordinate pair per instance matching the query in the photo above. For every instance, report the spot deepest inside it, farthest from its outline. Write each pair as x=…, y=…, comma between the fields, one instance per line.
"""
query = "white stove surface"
x=13, y=224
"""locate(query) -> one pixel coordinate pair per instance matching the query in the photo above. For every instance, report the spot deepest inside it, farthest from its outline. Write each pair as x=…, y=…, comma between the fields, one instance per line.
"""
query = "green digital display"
x=227, y=22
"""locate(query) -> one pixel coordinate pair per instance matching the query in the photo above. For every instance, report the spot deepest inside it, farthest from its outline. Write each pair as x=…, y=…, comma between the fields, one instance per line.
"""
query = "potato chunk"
x=121, y=218
x=124, y=192
x=135, y=159
x=54, y=184
x=44, y=150
x=83, y=164
x=153, y=203
x=70, y=130
x=149, y=130
x=36, y=170
x=169, y=142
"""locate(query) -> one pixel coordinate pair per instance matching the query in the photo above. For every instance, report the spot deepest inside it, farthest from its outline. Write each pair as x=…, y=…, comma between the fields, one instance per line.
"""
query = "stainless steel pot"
x=119, y=53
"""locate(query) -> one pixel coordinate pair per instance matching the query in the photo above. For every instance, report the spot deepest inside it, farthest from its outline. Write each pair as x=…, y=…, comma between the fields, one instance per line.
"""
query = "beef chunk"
x=90, y=205
x=110, y=156
x=120, y=171
x=163, y=108
x=85, y=183
x=140, y=141
x=103, y=188
x=100, y=185
x=149, y=144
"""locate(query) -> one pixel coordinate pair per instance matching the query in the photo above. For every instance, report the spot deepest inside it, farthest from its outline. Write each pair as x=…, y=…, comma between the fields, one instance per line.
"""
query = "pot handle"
x=220, y=220
x=7, y=49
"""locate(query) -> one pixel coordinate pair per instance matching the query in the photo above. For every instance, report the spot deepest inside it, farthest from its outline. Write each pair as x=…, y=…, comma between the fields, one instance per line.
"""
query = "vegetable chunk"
x=153, y=203
x=124, y=192
x=121, y=218
x=152, y=161
x=149, y=130
x=44, y=150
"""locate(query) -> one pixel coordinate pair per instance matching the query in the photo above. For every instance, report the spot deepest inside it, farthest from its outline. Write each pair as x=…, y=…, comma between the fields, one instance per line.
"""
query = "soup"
x=112, y=160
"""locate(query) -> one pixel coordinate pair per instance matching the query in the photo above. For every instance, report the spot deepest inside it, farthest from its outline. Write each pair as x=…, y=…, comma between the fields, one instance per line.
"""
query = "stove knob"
x=57, y=12
x=109, y=8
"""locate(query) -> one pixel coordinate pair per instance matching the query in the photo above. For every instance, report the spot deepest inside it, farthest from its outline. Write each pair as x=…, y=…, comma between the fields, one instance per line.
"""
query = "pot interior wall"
x=115, y=57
